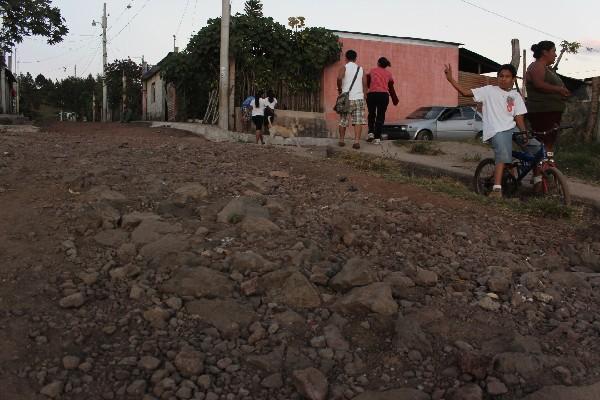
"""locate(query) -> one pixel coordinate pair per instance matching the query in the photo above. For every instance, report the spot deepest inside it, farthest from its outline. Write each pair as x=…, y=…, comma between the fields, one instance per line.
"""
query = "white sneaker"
x=377, y=141
x=370, y=137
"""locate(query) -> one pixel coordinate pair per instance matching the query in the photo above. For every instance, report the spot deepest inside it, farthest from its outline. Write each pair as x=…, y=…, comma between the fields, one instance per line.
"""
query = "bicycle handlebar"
x=532, y=134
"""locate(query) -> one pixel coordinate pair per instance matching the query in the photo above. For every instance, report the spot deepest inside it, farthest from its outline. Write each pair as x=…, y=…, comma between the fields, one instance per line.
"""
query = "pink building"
x=417, y=67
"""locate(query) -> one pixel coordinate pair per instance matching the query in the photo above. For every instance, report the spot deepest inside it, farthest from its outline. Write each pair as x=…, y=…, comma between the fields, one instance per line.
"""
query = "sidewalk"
x=445, y=165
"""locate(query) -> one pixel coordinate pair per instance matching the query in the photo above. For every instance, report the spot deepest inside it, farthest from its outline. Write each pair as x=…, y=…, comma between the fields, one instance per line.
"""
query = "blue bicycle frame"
x=528, y=161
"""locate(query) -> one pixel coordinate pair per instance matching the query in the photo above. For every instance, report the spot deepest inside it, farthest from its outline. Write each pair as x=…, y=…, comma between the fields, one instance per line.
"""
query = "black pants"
x=377, y=103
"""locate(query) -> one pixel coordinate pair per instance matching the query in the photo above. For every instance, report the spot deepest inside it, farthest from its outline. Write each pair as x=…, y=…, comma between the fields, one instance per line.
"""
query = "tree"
x=133, y=78
x=22, y=18
x=296, y=23
x=267, y=55
x=566, y=47
x=253, y=8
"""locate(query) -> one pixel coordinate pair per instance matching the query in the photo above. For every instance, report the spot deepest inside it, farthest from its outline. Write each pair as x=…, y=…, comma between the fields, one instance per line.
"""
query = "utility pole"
x=104, y=57
x=75, y=72
x=224, y=67
x=124, y=96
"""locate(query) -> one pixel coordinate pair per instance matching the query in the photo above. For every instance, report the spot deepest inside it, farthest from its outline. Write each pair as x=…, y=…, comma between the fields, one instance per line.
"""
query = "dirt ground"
x=152, y=264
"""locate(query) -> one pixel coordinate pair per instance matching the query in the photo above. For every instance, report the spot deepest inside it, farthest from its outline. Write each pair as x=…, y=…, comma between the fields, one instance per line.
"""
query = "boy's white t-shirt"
x=260, y=110
x=499, y=109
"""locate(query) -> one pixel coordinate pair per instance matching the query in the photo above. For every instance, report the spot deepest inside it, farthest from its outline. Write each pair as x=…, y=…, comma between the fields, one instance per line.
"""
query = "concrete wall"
x=309, y=124
x=417, y=67
x=155, y=109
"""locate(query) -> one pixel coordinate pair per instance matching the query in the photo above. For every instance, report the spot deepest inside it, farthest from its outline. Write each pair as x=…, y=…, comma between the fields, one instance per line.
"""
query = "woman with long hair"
x=546, y=93
x=258, y=115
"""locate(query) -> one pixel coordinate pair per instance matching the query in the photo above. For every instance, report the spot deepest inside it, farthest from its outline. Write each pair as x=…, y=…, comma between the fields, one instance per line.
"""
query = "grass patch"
x=402, y=143
x=425, y=148
x=475, y=157
x=580, y=160
x=394, y=171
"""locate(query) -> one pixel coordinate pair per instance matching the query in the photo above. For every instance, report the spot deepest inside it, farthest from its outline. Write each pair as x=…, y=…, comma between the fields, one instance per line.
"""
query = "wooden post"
x=593, y=117
x=232, y=119
x=524, y=94
x=516, y=53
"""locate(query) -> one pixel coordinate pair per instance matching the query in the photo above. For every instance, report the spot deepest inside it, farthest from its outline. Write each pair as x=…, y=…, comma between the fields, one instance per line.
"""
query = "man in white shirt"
x=346, y=75
x=503, y=108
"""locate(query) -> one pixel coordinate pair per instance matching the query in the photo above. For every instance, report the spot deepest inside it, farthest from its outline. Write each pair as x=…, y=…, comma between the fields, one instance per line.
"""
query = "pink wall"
x=418, y=71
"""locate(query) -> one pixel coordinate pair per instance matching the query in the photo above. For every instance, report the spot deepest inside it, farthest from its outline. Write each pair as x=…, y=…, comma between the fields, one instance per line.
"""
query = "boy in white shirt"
x=503, y=108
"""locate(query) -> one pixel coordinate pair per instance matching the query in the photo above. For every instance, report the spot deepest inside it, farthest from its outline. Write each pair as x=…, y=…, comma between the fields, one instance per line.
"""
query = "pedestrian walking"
x=351, y=87
x=380, y=82
x=258, y=115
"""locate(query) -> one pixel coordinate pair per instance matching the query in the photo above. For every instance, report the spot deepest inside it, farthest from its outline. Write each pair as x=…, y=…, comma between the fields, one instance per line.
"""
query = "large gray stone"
x=356, y=272
x=198, y=282
x=150, y=230
x=111, y=237
x=376, y=298
x=311, y=383
x=228, y=316
x=270, y=363
x=470, y=391
x=248, y=261
x=239, y=208
x=189, y=362
x=410, y=335
x=192, y=191
x=135, y=218
x=566, y=393
x=168, y=244
x=259, y=226
x=298, y=292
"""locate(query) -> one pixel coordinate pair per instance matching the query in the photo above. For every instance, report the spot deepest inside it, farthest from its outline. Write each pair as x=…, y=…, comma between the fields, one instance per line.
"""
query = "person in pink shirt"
x=381, y=86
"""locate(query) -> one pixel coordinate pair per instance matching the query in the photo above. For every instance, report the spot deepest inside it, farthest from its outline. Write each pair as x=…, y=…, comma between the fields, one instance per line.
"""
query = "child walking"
x=503, y=108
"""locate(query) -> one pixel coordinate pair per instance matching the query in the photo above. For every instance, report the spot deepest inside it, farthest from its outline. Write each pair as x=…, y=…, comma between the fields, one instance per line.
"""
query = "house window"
x=153, y=92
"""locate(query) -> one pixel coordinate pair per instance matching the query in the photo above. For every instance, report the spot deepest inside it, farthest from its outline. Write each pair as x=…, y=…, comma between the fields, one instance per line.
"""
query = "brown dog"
x=283, y=131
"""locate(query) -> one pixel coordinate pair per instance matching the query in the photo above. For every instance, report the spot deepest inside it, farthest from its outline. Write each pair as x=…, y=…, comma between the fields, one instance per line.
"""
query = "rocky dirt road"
x=149, y=264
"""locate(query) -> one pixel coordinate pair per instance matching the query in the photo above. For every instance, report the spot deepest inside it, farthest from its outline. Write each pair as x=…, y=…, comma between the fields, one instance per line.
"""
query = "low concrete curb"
x=421, y=165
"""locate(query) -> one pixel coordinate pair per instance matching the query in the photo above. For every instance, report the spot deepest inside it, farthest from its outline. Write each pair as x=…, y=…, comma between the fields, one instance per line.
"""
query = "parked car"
x=437, y=122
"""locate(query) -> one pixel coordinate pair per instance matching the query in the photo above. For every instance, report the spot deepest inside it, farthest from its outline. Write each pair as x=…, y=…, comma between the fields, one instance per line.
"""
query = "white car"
x=437, y=122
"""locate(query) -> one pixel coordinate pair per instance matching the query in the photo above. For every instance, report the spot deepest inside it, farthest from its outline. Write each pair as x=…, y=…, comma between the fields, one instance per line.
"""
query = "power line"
x=130, y=21
x=187, y=3
x=91, y=61
x=511, y=20
x=59, y=55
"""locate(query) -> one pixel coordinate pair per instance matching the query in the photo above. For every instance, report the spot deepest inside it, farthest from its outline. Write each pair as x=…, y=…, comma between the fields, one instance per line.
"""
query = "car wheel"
x=425, y=135
x=479, y=135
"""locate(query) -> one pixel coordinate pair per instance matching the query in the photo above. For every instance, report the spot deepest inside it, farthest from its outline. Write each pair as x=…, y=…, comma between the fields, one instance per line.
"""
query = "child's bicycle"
x=553, y=183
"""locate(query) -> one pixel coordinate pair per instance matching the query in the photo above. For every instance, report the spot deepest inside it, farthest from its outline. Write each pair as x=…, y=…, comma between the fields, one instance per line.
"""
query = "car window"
x=477, y=117
x=468, y=112
x=451, y=114
x=425, y=113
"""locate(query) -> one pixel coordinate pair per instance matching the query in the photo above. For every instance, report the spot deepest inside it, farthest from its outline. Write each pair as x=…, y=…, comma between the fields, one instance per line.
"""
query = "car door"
x=469, y=127
x=449, y=124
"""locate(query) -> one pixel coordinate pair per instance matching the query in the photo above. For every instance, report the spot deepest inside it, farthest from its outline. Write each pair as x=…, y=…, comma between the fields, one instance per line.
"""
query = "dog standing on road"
x=283, y=131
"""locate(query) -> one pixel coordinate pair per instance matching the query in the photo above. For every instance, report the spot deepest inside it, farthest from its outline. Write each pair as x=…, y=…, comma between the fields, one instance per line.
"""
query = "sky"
x=483, y=26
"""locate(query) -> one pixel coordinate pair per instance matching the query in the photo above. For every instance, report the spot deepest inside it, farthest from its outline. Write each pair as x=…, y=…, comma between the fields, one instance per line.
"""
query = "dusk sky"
x=484, y=26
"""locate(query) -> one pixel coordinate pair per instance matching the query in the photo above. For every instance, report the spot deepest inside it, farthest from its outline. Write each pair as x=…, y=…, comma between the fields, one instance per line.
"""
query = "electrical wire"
x=187, y=3
x=514, y=21
x=129, y=22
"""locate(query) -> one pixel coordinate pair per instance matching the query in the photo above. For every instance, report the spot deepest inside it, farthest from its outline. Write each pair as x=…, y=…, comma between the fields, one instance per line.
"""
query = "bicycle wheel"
x=483, y=180
x=555, y=186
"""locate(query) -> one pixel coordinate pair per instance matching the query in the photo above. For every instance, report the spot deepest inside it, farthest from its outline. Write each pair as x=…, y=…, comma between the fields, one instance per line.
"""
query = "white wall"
x=155, y=108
